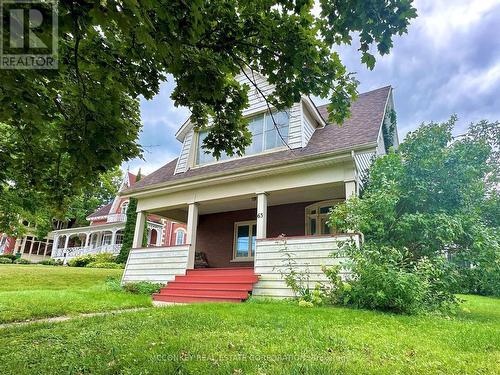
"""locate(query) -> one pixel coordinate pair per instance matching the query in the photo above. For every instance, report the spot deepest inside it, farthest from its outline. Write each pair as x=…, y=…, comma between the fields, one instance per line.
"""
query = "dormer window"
x=265, y=136
x=124, y=207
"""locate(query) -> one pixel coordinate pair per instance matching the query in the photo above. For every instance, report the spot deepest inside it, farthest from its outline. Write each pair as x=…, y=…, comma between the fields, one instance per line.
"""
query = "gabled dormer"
x=294, y=128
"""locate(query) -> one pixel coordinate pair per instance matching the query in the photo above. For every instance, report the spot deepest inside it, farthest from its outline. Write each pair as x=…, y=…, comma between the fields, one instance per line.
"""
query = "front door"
x=244, y=240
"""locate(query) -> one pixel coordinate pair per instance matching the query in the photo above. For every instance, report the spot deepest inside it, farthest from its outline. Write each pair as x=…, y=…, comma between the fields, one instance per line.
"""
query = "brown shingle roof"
x=102, y=211
x=362, y=128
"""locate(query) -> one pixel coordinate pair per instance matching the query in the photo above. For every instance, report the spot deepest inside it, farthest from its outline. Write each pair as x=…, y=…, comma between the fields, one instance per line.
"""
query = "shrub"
x=81, y=261
x=5, y=261
x=51, y=262
x=22, y=261
x=479, y=267
x=104, y=265
x=12, y=257
x=105, y=258
x=385, y=279
x=143, y=287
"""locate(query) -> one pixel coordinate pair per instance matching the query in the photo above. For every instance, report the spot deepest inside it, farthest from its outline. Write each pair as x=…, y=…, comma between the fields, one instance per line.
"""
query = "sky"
x=448, y=63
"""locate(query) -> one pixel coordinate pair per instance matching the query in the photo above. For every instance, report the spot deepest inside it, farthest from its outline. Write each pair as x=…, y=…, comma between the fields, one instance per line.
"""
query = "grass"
x=36, y=291
x=260, y=338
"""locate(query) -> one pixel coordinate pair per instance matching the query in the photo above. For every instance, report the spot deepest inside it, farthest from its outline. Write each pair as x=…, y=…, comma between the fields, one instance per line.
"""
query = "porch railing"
x=117, y=218
x=72, y=252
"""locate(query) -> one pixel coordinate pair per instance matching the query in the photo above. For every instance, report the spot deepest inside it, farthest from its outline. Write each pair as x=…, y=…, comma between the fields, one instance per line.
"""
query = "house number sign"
x=260, y=215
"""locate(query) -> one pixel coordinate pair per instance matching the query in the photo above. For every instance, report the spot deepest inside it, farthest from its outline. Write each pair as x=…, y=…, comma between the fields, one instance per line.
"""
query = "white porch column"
x=66, y=242
x=192, y=228
x=87, y=239
x=261, y=215
x=139, y=229
x=113, y=237
x=56, y=243
x=350, y=189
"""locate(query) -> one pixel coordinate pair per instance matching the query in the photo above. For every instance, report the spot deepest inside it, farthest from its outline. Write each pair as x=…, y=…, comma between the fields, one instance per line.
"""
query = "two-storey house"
x=245, y=214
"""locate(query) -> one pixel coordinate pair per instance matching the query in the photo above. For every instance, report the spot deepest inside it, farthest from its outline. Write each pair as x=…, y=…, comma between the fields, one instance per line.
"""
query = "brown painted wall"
x=215, y=234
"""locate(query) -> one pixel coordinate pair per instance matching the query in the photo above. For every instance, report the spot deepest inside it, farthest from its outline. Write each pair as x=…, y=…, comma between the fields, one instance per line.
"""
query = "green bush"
x=5, y=261
x=105, y=258
x=104, y=265
x=22, y=261
x=385, y=279
x=84, y=260
x=479, y=266
x=114, y=283
x=143, y=287
x=12, y=257
x=51, y=262
x=81, y=261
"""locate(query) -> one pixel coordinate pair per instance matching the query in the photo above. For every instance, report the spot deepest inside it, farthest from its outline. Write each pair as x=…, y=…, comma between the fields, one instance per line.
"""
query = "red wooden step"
x=187, y=299
x=218, y=278
x=208, y=285
x=205, y=293
x=221, y=272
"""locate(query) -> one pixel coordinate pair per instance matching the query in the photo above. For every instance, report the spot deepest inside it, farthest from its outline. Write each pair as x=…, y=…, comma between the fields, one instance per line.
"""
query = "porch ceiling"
x=310, y=194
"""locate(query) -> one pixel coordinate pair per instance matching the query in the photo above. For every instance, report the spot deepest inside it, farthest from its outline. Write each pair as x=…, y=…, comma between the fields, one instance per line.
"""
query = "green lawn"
x=256, y=337
x=36, y=291
x=259, y=338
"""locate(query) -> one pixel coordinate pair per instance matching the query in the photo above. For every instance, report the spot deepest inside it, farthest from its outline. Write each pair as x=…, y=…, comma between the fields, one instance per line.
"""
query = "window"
x=317, y=218
x=106, y=239
x=179, y=237
x=124, y=207
x=244, y=240
x=265, y=136
x=119, y=237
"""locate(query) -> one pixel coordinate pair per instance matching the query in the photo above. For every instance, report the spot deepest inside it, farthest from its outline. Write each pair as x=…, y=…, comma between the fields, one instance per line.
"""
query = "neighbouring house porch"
x=96, y=239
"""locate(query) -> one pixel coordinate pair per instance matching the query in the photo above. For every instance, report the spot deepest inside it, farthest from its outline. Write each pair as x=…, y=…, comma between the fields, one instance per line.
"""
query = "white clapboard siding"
x=363, y=162
x=308, y=127
x=307, y=254
x=295, y=126
x=183, y=161
x=159, y=264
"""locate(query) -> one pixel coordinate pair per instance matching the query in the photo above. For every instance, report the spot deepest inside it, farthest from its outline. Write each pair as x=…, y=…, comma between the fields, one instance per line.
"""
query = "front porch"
x=252, y=231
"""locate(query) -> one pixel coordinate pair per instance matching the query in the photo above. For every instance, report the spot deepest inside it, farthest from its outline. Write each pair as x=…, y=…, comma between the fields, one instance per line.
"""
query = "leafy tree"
x=61, y=128
x=432, y=197
x=95, y=196
x=31, y=207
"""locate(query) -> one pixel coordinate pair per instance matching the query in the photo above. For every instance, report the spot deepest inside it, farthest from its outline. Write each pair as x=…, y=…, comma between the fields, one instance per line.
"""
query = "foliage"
x=61, y=128
x=433, y=196
x=5, y=260
x=36, y=208
x=84, y=260
x=480, y=265
x=104, y=265
x=22, y=261
x=12, y=257
x=389, y=127
x=51, y=262
x=384, y=279
x=143, y=287
x=95, y=196
x=299, y=281
x=128, y=231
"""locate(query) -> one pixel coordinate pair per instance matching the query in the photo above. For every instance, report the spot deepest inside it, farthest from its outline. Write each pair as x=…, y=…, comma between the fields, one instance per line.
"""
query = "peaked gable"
x=361, y=129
